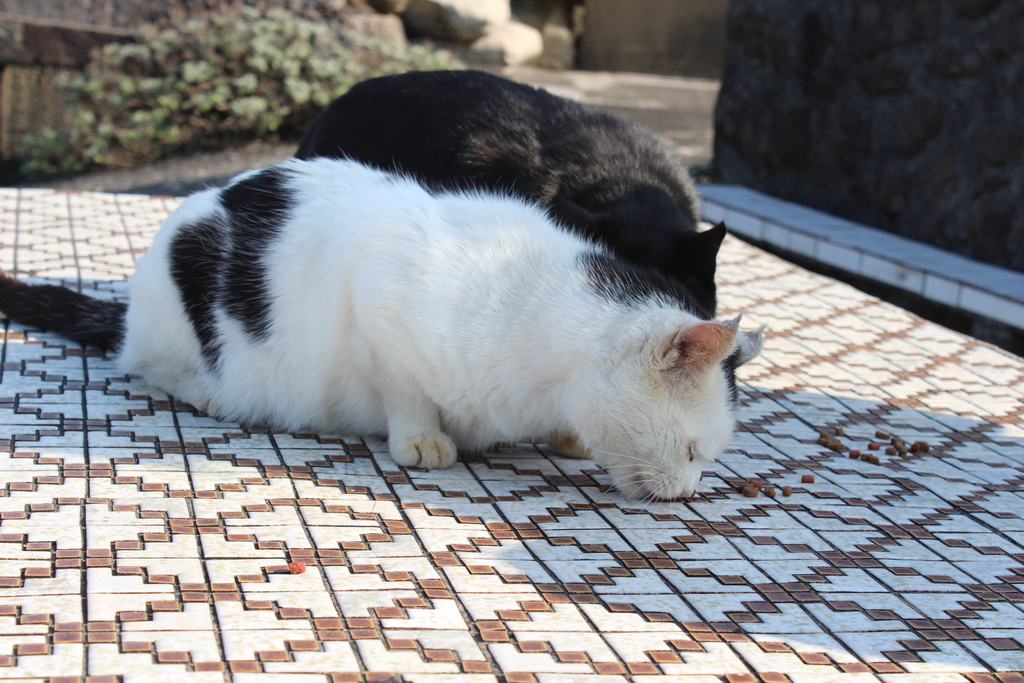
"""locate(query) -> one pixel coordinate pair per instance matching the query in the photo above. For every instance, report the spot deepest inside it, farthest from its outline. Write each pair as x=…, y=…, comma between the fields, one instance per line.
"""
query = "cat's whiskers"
x=648, y=496
x=618, y=455
x=646, y=500
x=631, y=474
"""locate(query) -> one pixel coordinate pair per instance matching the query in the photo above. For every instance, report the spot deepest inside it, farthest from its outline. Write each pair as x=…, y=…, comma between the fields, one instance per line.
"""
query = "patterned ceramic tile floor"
x=141, y=541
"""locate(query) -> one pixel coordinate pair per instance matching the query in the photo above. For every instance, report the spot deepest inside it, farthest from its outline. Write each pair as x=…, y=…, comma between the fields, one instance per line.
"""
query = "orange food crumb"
x=296, y=567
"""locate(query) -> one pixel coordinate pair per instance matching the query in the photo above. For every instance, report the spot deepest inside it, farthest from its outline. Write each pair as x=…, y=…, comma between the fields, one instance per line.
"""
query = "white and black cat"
x=328, y=296
x=603, y=177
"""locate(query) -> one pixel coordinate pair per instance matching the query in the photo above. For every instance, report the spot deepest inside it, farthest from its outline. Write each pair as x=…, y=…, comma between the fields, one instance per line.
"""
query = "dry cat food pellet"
x=874, y=446
x=787, y=490
x=830, y=442
x=840, y=431
x=807, y=479
x=889, y=450
x=759, y=483
x=296, y=567
x=919, y=447
x=882, y=435
x=769, y=491
x=854, y=453
x=750, y=491
x=873, y=459
x=867, y=456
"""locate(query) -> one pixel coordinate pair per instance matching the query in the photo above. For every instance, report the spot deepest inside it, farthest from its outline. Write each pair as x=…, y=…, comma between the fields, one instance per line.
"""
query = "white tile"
x=992, y=278
x=892, y=273
x=992, y=306
x=711, y=211
x=838, y=255
x=743, y=223
x=976, y=301
x=803, y=244
x=1009, y=312
x=777, y=235
x=942, y=290
x=881, y=243
x=810, y=222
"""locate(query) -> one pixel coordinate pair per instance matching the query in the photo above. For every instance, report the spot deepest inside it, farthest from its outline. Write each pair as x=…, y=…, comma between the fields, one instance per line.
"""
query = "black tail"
x=89, y=321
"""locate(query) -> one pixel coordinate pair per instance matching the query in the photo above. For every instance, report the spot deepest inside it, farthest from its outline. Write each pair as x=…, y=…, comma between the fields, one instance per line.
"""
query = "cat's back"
x=423, y=114
x=282, y=219
x=265, y=273
x=327, y=225
x=605, y=178
x=475, y=129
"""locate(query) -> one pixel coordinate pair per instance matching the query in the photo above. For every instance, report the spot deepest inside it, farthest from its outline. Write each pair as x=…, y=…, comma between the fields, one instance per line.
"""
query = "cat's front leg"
x=415, y=438
x=568, y=444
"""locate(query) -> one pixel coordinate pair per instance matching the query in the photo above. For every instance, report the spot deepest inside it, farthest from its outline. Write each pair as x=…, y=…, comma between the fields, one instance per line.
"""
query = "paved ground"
x=141, y=541
x=679, y=109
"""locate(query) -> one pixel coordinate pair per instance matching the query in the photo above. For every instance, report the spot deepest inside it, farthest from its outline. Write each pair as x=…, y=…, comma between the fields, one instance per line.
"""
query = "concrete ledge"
x=935, y=274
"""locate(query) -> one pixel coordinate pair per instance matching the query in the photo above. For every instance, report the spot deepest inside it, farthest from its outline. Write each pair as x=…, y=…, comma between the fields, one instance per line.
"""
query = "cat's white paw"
x=426, y=450
x=569, y=445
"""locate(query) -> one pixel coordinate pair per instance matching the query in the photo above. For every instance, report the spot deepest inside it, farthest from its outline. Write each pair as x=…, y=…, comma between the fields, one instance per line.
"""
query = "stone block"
x=511, y=44
x=458, y=20
x=559, y=47
x=387, y=27
x=554, y=20
x=388, y=6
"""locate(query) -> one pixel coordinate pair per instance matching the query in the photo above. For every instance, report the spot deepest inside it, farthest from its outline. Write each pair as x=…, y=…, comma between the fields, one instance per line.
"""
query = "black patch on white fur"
x=621, y=281
x=257, y=208
x=729, y=366
x=196, y=254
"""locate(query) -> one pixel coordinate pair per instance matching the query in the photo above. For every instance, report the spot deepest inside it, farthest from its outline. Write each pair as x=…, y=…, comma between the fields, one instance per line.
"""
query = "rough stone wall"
x=907, y=115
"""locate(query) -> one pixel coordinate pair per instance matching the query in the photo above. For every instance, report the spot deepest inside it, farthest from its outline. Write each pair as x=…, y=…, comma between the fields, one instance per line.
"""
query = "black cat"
x=605, y=178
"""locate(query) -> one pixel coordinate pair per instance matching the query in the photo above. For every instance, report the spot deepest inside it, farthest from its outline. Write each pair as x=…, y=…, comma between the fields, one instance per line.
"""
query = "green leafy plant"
x=211, y=82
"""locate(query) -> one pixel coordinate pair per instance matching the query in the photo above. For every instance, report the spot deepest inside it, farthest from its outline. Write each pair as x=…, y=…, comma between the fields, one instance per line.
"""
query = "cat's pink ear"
x=699, y=346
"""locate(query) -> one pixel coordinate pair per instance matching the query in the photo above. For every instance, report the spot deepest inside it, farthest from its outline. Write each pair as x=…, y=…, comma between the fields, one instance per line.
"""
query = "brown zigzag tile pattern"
x=141, y=540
